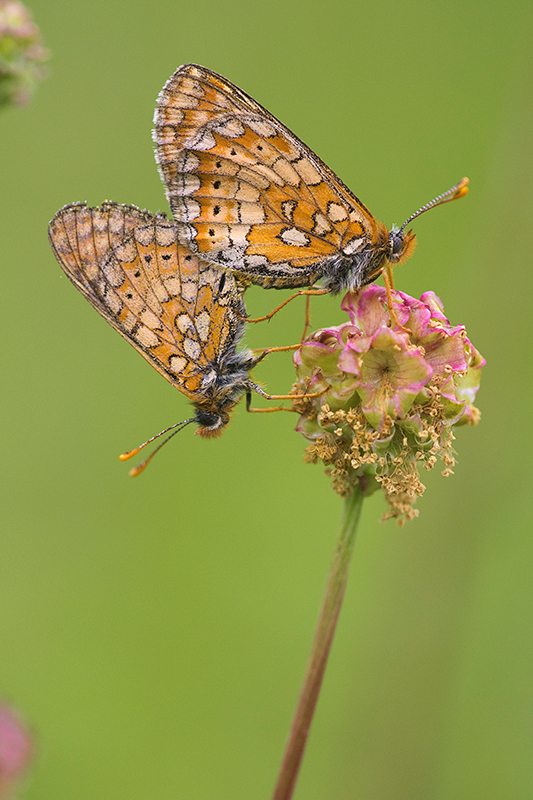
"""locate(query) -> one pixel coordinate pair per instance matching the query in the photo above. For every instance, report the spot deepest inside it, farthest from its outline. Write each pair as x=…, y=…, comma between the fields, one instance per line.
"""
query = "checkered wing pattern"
x=180, y=312
x=246, y=192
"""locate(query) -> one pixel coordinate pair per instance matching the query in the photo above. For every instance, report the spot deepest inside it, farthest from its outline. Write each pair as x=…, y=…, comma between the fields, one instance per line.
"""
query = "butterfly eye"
x=396, y=246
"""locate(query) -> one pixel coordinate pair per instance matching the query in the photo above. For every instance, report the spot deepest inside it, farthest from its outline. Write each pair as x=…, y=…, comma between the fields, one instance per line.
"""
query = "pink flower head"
x=389, y=373
x=15, y=749
x=392, y=392
x=21, y=54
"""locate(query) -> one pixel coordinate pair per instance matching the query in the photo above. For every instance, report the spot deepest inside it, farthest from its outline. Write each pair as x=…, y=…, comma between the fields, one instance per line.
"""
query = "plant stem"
x=318, y=658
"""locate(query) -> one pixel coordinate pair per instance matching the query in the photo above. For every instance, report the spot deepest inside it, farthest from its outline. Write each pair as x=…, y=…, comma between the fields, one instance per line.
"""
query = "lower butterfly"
x=182, y=314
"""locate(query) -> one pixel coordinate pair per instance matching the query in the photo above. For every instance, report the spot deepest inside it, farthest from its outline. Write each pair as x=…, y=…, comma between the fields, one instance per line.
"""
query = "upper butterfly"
x=180, y=312
x=248, y=194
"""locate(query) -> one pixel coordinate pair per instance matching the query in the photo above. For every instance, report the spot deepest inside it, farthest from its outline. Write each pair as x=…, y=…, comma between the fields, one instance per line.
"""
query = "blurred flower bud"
x=21, y=54
x=15, y=750
x=392, y=395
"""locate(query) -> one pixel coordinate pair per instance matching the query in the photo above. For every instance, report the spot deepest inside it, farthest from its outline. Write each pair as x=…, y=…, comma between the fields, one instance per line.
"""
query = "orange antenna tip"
x=138, y=469
x=130, y=453
x=462, y=189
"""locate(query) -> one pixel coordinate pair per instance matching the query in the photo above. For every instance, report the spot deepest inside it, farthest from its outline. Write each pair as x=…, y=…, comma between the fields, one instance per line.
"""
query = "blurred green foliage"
x=156, y=630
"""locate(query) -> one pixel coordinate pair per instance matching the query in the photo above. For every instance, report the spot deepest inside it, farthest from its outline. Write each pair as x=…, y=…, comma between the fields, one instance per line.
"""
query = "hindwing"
x=180, y=312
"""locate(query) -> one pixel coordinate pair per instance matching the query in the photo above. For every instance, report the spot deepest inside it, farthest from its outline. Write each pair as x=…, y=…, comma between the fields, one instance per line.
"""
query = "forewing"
x=246, y=191
x=181, y=313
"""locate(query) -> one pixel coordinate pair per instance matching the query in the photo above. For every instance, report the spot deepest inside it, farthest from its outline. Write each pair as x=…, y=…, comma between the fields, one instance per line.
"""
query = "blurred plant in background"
x=15, y=751
x=21, y=54
x=395, y=394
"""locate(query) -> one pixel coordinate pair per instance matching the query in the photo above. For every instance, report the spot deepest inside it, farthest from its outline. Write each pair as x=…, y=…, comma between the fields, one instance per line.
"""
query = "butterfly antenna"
x=452, y=194
x=137, y=470
x=142, y=466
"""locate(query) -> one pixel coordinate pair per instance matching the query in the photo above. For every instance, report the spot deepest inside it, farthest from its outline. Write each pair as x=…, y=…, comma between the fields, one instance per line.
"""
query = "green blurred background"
x=155, y=631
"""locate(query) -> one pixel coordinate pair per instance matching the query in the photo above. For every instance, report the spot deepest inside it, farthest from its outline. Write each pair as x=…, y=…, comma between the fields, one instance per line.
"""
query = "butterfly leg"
x=261, y=410
x=395, y=322
x=295, y=396
x=307, y=321
x=266, y=350
x=304, y=396
x=307, y=292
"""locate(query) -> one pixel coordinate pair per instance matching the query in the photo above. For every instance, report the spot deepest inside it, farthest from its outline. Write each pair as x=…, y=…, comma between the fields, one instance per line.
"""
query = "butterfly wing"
x=81, y=236
x=181, y=313
x=245, y=191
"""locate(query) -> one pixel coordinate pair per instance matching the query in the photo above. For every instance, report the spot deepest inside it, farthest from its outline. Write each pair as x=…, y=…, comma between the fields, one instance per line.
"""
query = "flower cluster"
x=395, y=385
x=21, y=54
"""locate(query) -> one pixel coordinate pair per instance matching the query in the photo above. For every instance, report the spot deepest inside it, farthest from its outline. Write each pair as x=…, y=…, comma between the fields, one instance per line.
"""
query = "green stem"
x=318, y=658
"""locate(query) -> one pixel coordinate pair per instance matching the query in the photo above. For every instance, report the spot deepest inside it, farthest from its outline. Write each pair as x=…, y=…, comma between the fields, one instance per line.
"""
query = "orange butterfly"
x=182, y=314
x=248, y=194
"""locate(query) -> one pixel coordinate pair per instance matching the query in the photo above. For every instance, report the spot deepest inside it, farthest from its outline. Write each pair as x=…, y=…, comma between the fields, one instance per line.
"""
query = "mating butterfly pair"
x=251, y=203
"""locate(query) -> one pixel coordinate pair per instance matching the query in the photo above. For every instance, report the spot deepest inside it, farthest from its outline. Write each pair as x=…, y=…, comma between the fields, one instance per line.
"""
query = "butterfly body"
x=230, y=381
x=247, y=194
x=181, y=313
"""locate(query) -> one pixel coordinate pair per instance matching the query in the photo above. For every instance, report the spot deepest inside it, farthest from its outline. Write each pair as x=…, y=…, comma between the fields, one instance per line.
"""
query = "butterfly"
x=247, y=194
x=182, y=314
